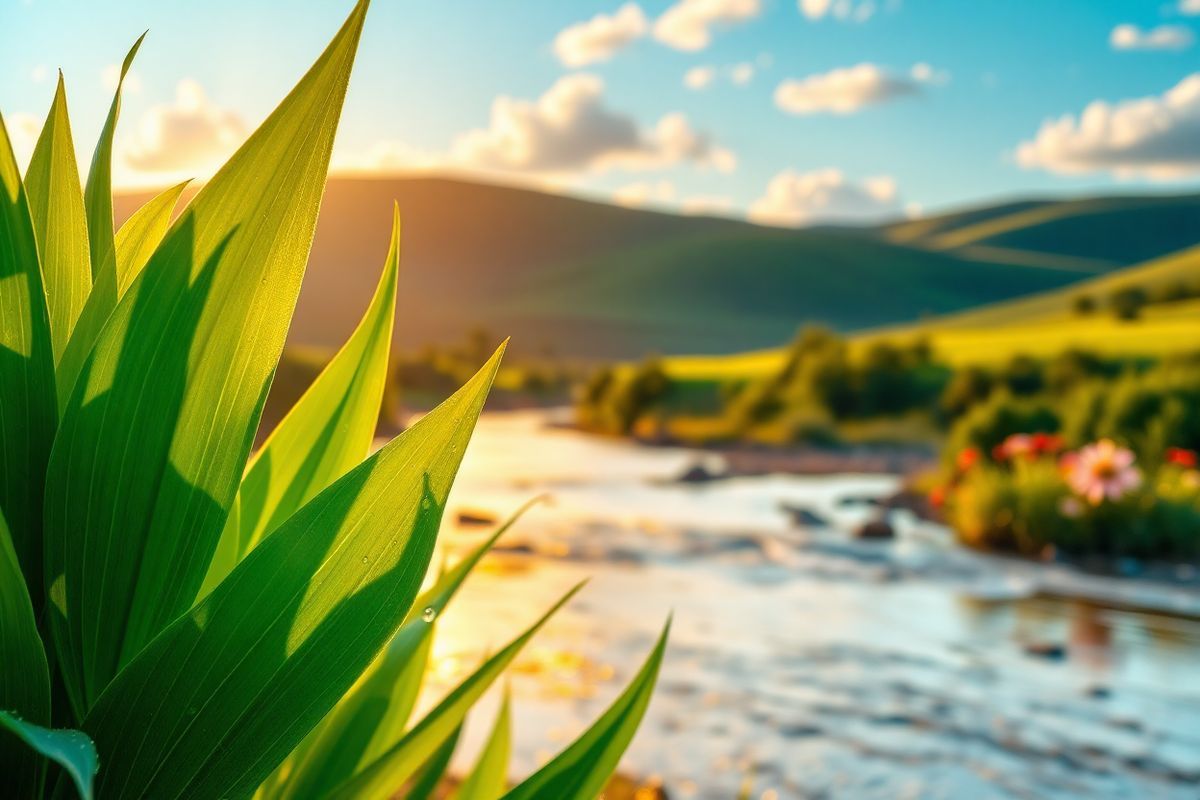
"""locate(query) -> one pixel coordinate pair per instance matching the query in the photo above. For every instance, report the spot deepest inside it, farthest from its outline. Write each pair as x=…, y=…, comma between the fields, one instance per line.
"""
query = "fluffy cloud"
x=1164, y=37
x=698, y=78
x=191, y=135
x=1189, y=8
x=688, y=24
x=570, y=129
x=1156, y=137
x=846, y=10
x=702, y=77
x=644, y=193
x=796, y=199
x=23, y=130
x=850, y=89
x=706, y=205
x=600, y=37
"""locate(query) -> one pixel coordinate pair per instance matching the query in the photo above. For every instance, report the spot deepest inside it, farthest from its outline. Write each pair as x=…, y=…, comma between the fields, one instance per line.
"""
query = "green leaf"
x=154, y=439
x=401, y=761
x=72, y=750
x=97, y=195
x=489, y=778
x=372, y=716
x=59, y=221
x=580, y=771
x=327, y=432
x=27, y=400
x=426, y=782
x=24, y=676
x=137, y=240
x=142, y=233
x=221, y=697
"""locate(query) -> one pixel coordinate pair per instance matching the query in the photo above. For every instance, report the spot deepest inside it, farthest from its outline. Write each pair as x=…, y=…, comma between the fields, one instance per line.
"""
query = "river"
x=809, y=663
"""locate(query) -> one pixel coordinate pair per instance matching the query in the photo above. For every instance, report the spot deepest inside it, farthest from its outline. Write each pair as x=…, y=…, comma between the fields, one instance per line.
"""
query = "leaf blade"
x=71, y=749
x=327, y=432
x=137, y=240
x=97, y=194
x=401, y=761
x=25, y=678
x=229, y=689
x=489, y=777
x=27, y=391
x=371, y=717
x=155, y=435
x=580, y=771
x=59, y=221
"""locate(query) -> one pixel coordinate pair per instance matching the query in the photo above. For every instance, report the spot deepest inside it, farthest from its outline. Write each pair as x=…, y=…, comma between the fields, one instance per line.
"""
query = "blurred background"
x=863, y=334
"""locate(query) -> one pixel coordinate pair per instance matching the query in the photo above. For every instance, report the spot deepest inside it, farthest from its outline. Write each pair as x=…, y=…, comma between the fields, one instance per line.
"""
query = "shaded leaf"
x=372, y=716
x=327, y=432
x=97, y=195
x=24, y=677
x=401, y=761
x=154, y=438
x=581, y=771
x=72, y=750
x=59, y=221
x=27, y=399
x=221, y=697
x=137, y=240
x=489, y=777
x=426, y=781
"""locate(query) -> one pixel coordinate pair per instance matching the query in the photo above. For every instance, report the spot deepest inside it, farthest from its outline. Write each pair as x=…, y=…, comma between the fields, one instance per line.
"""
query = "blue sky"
x=813, y=109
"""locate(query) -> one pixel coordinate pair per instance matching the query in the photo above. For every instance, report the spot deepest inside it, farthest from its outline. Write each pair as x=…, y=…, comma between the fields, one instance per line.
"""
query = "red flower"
x=999, y=453
x=1047, y=443
x=967, y=458
x=1181, y=457
x=937, y=496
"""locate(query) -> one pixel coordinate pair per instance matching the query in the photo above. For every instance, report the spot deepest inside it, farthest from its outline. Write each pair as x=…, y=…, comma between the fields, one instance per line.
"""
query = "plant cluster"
x=1032, y=495
x=180, y=617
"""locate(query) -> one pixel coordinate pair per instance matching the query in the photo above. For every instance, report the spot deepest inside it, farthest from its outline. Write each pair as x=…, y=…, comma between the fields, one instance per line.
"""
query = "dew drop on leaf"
x=429, y=614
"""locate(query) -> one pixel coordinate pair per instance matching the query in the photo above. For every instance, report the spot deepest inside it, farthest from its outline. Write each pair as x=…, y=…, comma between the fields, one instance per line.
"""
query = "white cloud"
x=570, y=129
x=702, y=77
x=850, y=89
x=706, y=205
x=644, y=193
x=1164, y=37
x=599, y=38
x=844, y=10
x=698, y=78
x=112, y=74
x=1190, y=8
x=923, y=73
x=23, y=130
x=1156, y=137
x=795, y=199
x=688, y=24
x=191, y=135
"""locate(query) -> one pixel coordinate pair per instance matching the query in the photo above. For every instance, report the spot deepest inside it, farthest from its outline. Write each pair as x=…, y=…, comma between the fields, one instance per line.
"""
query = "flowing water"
x=807, y=662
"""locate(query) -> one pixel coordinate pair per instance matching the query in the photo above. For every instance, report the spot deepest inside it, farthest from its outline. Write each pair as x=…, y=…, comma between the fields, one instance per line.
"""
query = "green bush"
x=219, y=623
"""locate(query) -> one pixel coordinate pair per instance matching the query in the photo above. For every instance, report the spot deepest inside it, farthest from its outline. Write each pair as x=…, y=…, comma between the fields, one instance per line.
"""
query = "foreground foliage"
x=180, y=617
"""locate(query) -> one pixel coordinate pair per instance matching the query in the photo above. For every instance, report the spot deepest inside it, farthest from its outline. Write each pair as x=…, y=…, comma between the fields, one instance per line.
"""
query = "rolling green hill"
x=593, y=280
x=1040, y=325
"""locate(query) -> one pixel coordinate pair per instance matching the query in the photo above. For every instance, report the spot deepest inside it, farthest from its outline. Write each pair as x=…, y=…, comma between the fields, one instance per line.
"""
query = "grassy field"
x=1038, y=326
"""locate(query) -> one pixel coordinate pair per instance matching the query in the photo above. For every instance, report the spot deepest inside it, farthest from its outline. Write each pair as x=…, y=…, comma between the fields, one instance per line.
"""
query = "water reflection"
x=815, y=665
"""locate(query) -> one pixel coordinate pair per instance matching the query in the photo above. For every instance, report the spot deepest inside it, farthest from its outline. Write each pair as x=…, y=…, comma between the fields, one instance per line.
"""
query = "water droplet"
x=393, y=542
x=425, y=503
x=429, y=614
x=366, y=560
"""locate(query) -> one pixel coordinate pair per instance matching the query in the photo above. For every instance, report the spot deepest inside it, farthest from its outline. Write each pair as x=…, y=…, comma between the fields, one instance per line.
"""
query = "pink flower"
x=1070, y=507
x=1102, y=471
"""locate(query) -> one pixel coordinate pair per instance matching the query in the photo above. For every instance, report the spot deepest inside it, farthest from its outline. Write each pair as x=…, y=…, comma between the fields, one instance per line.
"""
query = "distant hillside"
x=594, y=280
x=1039, y=325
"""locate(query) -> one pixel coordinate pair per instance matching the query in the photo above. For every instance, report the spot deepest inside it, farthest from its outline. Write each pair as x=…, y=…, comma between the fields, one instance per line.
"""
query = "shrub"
x=1127, y=302
x=221, y=624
